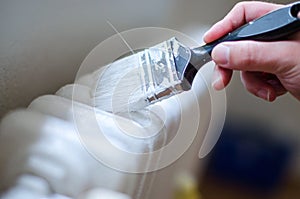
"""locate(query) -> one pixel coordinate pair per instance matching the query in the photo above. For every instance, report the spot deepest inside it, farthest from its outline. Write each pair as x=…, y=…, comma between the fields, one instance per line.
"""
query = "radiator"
x=52, y=149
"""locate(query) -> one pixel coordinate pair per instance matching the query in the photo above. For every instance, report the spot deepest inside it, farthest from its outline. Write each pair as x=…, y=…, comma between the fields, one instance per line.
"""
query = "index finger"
x=241, y=13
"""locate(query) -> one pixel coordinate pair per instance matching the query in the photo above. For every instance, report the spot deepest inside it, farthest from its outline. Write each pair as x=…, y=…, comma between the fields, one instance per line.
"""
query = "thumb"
x=271, y=57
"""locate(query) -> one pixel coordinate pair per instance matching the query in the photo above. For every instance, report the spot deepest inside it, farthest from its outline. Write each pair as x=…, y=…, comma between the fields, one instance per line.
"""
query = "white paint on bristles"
x=118, y=87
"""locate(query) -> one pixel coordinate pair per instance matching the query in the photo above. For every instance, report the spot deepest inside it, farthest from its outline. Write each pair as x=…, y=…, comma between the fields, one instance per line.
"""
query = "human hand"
x=268, y=69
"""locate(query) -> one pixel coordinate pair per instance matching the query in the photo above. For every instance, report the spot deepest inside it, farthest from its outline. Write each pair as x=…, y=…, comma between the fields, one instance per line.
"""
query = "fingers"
x=241, y=13
x=262, y=85
x=221, y=77
x=256, y=86
x=254, y=59
x=271, y=57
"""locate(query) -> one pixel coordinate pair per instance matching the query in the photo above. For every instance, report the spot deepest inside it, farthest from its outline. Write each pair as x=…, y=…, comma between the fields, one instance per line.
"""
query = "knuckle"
x=241, y=5
x=239, y=10
x=248, y=53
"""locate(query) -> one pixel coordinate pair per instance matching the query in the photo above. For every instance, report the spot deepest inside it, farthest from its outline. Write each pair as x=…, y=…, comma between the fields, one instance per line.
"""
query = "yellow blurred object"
x=186, y=187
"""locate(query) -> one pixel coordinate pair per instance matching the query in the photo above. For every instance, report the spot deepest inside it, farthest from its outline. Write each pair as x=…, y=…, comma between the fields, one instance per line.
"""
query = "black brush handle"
x=275, y=25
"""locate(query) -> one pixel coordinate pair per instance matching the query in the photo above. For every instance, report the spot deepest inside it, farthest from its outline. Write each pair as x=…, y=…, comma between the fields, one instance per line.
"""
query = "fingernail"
x=265, y=94
x=217, y=81
x=204, y=35
x=221, y=54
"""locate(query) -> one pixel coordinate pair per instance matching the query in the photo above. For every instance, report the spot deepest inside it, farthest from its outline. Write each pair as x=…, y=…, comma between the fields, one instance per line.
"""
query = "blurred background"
x=43, y=43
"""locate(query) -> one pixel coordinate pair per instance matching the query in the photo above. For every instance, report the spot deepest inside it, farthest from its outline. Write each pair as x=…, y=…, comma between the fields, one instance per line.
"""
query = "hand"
x=268, y=69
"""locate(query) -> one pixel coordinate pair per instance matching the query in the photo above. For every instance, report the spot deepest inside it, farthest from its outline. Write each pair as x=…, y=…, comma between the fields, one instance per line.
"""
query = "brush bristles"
x=133, y=82
x=118, y=88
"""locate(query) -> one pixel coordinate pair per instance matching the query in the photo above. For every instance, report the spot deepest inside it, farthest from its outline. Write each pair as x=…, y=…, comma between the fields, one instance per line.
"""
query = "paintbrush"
x=134, y=82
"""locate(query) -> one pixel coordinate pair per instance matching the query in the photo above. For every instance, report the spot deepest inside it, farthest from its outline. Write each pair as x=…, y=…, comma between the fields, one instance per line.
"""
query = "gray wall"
x=42, y=43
